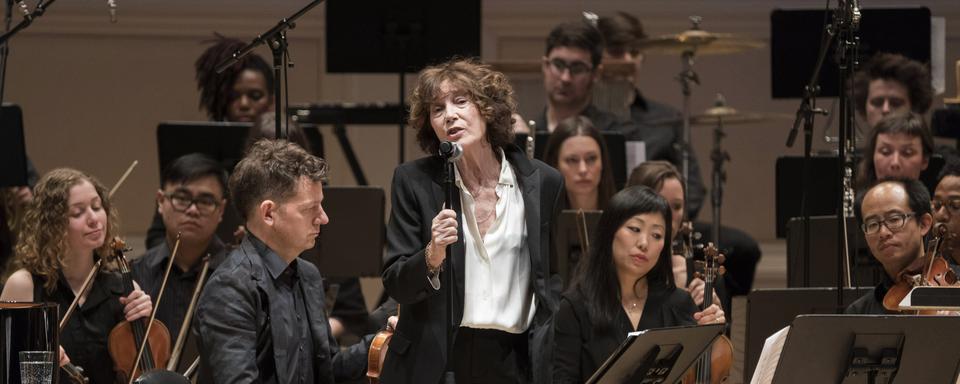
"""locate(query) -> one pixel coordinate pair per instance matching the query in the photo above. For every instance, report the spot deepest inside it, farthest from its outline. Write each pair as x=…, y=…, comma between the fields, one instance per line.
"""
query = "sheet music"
x=636, y=154
x=770, y=357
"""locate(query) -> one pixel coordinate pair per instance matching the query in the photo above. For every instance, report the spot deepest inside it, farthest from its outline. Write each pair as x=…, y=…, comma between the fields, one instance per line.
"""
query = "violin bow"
x=83, y=290
x=153, y=311
x=188, y=317
x=122, y=178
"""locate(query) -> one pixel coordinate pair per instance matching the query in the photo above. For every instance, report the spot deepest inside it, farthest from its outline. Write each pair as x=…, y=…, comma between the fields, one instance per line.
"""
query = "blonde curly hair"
x=42, y=243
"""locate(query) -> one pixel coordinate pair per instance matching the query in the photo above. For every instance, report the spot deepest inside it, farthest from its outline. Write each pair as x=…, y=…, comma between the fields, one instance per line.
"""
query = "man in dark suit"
x=497, y=227
x=261, y=316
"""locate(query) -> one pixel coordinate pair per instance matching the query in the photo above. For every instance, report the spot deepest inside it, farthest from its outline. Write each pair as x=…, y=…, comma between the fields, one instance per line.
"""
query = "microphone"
x=112, y=7
x=22, y=6
x=450, y=151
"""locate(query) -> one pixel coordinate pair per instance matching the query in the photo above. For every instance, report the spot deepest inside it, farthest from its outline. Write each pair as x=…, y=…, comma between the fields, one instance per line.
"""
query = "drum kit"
x=688, y=45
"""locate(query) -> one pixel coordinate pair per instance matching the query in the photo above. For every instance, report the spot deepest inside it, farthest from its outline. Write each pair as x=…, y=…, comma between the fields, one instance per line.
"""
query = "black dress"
x=84, y=338
x=580, y=348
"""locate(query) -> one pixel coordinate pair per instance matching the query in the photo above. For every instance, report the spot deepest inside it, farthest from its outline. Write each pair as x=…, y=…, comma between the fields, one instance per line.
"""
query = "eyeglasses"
x=952, y=204
x=575, y=68
x=894, y=222
x=181, y=202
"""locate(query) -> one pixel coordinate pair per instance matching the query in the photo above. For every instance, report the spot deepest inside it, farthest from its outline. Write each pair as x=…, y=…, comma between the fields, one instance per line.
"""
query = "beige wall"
x=93, y=92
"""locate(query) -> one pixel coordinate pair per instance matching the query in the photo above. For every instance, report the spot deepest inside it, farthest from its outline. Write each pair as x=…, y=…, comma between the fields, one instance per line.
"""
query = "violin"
x=931, y=269
x=130, y=342
x=714, y=366
x=377, y=354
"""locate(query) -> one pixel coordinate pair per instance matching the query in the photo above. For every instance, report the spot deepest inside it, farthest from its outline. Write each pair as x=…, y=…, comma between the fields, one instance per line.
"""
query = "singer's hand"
x=443, y=233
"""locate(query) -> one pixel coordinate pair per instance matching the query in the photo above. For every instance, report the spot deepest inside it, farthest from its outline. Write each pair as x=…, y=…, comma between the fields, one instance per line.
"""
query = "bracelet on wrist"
x=427, y=253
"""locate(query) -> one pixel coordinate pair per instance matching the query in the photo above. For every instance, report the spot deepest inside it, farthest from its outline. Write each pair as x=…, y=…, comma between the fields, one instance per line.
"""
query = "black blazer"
x=418, y=349
x=580, y=348
x=236, y=331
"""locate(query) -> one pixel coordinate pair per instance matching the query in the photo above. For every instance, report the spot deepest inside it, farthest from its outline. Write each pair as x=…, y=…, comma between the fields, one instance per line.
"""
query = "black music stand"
x=820, y=270
x=13, y=150
x=660, y=355
x=769, y=310
x=351, y=244
x=567, y=242
x=616, y=145
x=822, y=190
x=934, y=297
x=870, y=349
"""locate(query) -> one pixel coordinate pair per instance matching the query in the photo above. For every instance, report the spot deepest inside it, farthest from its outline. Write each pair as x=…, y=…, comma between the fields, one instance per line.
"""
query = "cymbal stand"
x=718, y=156
x=686, y=76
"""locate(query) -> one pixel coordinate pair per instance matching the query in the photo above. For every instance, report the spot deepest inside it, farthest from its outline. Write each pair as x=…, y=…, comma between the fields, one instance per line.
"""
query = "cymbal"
x=729, y=115
x=611, y=67
x=700, y=42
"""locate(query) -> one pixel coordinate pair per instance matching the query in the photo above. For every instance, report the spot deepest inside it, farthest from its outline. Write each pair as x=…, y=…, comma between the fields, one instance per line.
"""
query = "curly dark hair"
x=910, y=124
x=915, y=76
x=216, y=89
x=621, y=33
x=270, y=170
x=582, y=126
x=490, y=90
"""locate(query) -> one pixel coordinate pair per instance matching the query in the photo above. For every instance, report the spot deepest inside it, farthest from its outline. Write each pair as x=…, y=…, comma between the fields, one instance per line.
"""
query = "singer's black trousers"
x=487, y=356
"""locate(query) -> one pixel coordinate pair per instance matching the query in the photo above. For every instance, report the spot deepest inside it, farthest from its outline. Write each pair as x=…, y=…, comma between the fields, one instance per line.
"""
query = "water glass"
x=36, y=367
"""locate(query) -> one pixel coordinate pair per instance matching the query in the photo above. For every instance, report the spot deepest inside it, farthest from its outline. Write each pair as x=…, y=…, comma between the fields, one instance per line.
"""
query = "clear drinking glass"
x=36, y=367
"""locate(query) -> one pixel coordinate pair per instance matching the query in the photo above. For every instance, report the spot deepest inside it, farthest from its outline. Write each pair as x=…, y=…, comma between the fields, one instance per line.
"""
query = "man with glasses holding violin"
x=946, y=210
x=570, y=68
x=895, y=215
x=191, y=202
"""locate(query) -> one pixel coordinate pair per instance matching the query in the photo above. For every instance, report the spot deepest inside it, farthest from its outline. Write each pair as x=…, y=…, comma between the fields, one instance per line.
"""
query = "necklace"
x=633, y=306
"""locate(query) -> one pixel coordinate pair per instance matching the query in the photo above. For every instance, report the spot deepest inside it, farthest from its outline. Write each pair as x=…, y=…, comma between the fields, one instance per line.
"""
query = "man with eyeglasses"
x=191, y=203
x=570, y=68
x=895, y=215
x=946, y=210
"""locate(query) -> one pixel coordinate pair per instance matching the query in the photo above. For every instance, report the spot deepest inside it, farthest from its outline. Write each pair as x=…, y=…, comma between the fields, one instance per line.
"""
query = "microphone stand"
x=9, y=33
x=449, y=192
x=843, y=29
x=27, y=20
x=848, y=14
x=805, y=115
x=277, y=39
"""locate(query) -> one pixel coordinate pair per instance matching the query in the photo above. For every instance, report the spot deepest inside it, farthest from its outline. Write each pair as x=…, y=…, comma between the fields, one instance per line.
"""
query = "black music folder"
x=660, y=355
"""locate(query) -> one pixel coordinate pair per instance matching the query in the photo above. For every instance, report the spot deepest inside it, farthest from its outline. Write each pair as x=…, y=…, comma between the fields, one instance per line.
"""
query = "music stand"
x=13, y=150
x=660, y=355
x=870, y=349
x=820, y=270
x=769, y=310
x=936, y=297
x=351, y=244
x=567, y=242
x=822, y=188
x=616, y=146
